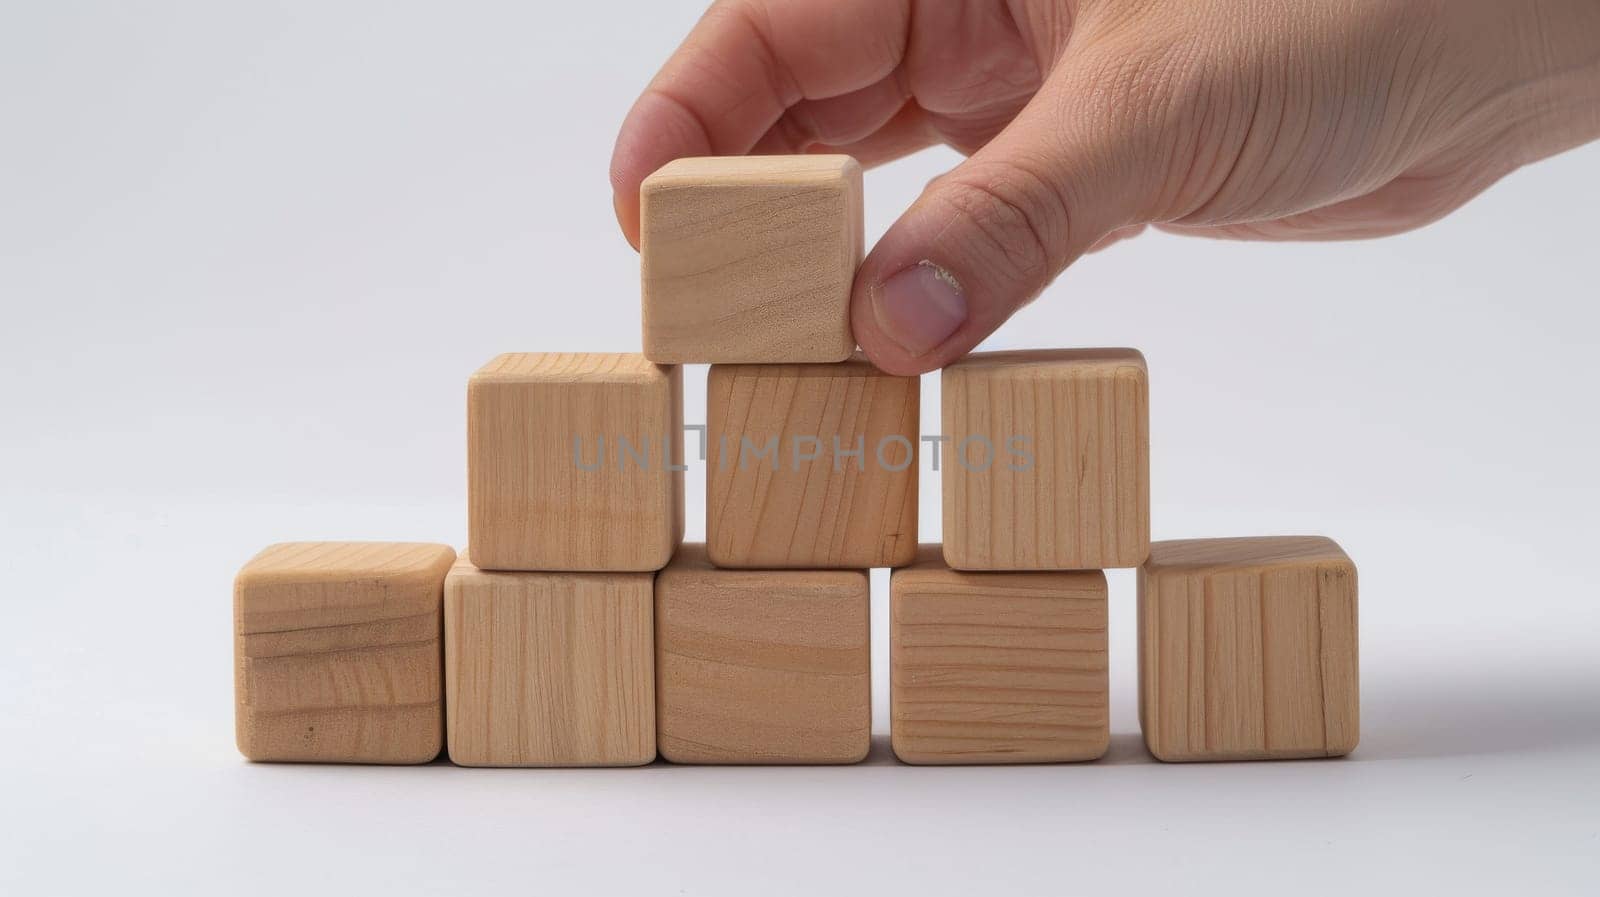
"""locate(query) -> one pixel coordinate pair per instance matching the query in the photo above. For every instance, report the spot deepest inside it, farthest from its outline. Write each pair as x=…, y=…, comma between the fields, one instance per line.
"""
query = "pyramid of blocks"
x=577, y=628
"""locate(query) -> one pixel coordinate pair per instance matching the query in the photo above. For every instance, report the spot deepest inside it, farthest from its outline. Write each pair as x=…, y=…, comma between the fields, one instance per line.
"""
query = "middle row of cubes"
x=745, y=666
x=575, y=463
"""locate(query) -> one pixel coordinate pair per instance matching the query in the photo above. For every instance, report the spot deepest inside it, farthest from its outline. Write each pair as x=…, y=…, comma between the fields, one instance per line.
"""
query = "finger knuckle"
x=1016, y=217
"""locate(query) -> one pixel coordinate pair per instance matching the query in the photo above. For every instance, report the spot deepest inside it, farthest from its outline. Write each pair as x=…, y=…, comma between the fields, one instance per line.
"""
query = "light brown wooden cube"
x=750, y=259
x=811, y=466
x=337, y=652
x=997, y=667
x=549, y=669
x=762, y=666
x=1047, y=463
x=1247, y=649
x=574, y=462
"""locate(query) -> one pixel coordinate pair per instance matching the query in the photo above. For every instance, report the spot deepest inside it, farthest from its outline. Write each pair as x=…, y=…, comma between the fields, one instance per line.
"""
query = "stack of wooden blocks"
x=578, y=630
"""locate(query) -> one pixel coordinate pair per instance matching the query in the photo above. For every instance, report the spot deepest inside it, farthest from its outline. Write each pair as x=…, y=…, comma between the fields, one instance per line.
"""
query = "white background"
x=249, y=254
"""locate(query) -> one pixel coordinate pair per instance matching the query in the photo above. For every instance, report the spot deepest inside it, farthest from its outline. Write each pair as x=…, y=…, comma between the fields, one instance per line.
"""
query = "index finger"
x=742, y=66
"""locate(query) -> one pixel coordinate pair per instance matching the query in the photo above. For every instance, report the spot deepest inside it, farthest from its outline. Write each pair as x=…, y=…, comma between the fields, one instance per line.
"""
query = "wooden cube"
x=997, y=667
x=337, y=653
x=1047, y=464
x=750, y=259
x=549, y=669
x=574, y=462
x=1247, y=649
x=761, y=666
x=811, y=466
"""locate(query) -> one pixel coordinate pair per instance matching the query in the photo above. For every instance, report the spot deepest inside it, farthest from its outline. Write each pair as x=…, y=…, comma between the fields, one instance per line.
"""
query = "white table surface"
x=249, y=254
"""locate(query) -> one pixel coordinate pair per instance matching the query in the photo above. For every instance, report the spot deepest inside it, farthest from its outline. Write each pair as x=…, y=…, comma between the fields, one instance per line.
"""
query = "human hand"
x=1086, y=120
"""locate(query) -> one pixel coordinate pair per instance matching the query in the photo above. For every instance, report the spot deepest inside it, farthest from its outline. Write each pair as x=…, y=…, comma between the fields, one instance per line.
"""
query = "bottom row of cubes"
x=372, y=652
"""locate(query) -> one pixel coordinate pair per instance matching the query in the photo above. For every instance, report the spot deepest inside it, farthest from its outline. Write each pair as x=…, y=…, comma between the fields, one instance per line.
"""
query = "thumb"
x=984, y=239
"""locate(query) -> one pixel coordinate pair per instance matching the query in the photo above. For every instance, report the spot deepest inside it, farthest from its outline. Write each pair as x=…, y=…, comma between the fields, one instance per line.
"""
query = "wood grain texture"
x=790, y=509
x=997, y=667
x=750, y=259
x=1066, y=437
x=337, y=652
x=549, y=669
x=535, y=424
x=762, y=666
x=1248, y=649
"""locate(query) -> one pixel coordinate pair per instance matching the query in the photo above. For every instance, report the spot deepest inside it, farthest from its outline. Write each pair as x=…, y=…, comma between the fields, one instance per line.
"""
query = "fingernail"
x=920, y=307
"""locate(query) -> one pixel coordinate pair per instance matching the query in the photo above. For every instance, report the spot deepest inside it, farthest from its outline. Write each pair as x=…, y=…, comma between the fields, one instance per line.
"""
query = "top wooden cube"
x=1047, y=463
x=574, y=463
x=750, y=259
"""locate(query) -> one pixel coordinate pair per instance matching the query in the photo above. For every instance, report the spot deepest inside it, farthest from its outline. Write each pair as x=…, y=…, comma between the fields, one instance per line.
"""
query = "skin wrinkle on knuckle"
x=1231, y=116
x=967, y=57
x=1453, y=97
x=686, y=114
x=1254, y=151
x=1009, y=225
x=1422, y=97
x=1148, y=87
x=1142, y=107
x=783, y=84
x=708, y=67
x=1507, y=109
x=813, y=43
x=1045, y=28
x=1417, y=108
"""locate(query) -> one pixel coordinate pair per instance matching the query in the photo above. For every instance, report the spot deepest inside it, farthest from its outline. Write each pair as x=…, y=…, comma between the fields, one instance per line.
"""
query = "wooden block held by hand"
x=811, y=466
x=750, y=259
x=762, y=666
x=574, y=462
x=337, y=652
x=549, y=669
x=1047, y=463
x=997, y=667
x=1247, y=649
